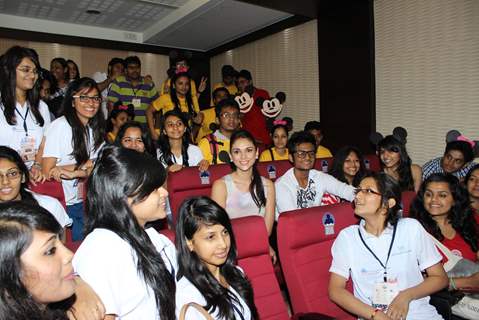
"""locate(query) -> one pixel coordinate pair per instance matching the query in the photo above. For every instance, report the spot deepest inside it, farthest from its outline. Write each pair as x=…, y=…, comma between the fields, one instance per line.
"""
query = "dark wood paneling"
x=346, y=72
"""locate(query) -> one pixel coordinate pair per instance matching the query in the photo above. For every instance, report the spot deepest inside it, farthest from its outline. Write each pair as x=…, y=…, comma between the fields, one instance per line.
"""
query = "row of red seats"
x=190, y=182
x=305, y=238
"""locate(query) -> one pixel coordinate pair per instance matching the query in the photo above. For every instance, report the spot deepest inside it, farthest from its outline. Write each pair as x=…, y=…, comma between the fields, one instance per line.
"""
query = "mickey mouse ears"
x=281, y=96
x=399, y=133
x=455, y=135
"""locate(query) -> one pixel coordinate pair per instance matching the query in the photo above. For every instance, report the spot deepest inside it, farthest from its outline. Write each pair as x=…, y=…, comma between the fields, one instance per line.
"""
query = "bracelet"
x=452, y=284
x=374, y=313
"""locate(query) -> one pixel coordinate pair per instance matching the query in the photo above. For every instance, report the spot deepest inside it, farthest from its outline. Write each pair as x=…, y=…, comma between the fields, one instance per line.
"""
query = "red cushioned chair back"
x=407, y=198
x=323, y=164
x=305, y=238
x=371, y=161
x=273, y=169
x=187, y=183
x=253, y=257
x=50, y=188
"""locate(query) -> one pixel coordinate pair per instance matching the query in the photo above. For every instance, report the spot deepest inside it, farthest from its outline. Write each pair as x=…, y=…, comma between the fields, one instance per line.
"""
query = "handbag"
x=468, y=306
x=197, y=307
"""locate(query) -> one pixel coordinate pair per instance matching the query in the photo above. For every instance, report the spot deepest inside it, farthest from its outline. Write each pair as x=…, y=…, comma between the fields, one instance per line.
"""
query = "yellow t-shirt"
x=266, y=155
x=205, y=147
x=111, y=137
x=165, y=87
x=232, y=89
x=165, y=104
x=323, y=152
x=209, y=117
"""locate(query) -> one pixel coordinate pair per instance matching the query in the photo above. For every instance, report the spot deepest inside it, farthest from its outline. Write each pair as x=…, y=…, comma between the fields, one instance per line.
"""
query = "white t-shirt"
x=194, y=156
x=290, y=196
x=186, y=292
x=14, y=136
x=412, y=252
x=109, y=265
x=54, y=207
x=59, y=144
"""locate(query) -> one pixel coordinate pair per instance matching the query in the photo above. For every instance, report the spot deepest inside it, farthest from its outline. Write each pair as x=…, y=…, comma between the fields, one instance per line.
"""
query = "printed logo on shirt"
x=305, y=197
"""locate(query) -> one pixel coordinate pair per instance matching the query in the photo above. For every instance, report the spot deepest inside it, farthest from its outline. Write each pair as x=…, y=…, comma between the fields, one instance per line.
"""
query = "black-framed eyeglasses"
x=302, y=154
x=366, y=191
x=83, y=98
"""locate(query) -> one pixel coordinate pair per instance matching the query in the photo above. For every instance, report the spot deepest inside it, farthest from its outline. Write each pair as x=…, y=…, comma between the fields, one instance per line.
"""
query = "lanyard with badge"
x=27, y=144
x=387, y=290
x=136, y=102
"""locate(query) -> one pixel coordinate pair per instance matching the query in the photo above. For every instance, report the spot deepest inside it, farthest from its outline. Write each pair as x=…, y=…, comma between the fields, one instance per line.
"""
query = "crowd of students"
x=52, y=126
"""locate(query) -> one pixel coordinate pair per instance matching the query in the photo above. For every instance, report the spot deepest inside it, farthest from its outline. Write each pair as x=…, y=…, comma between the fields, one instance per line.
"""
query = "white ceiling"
x=192, y=24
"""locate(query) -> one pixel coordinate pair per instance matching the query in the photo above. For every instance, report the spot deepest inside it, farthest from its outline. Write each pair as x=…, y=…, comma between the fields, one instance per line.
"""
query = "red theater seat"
x=407, y=198
x=371, y=161
x=50, y=188
x=253, y=258
x=304, y=245
x=323, y=164
x=273, y=169
x=187, y=183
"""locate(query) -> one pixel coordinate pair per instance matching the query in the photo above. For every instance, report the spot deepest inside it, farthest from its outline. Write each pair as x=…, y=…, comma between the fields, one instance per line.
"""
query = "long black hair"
x=461, y=216
x=119, y=174
x=194, y=213
x=8, y=83
x=164, y=142
x=389, y=189
x=13, y=156
x=338, y=164
x=81, y=132
x=256, y=187
x=392, y=144
x=145, y=136
x=188, y=98
x=18, y=220
x=76, y=67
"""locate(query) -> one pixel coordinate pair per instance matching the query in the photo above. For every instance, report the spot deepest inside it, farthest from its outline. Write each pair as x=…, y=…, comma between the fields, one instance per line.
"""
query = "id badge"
x=384, y=294
x=27, y=148
x=136, y=103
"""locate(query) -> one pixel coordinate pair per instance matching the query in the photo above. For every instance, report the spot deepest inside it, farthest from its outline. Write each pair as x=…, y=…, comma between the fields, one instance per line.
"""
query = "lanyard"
x=24, y=118
x=389, y=251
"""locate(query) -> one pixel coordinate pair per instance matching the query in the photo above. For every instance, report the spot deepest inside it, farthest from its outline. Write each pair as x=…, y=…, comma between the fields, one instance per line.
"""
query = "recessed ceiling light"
x=92, y=11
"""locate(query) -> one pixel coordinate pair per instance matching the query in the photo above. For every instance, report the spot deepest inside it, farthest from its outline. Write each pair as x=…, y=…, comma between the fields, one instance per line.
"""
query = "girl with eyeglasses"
x=72, y=143
x=130, y=266
x=175, y=148
x=207, y=271
x=245, y=192
x=23, y=116
x=385, y=256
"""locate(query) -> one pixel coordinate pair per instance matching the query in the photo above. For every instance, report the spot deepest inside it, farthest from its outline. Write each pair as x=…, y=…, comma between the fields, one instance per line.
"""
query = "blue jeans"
x=75, y=212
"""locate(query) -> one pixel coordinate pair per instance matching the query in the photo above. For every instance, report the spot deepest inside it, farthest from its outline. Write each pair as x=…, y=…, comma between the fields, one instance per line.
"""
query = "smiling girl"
x=72, y=143
x=207, y=273
x=384, y=256
x=279, y=151
x=23, y=116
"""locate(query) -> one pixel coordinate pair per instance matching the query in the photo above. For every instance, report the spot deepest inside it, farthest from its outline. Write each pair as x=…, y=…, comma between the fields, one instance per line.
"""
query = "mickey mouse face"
x=271, y=108
x=245, y=102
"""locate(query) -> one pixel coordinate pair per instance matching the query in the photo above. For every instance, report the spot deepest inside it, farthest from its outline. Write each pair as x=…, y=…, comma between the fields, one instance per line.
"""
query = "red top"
x=476, y=215
x=254, y=121
x=460, y=248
